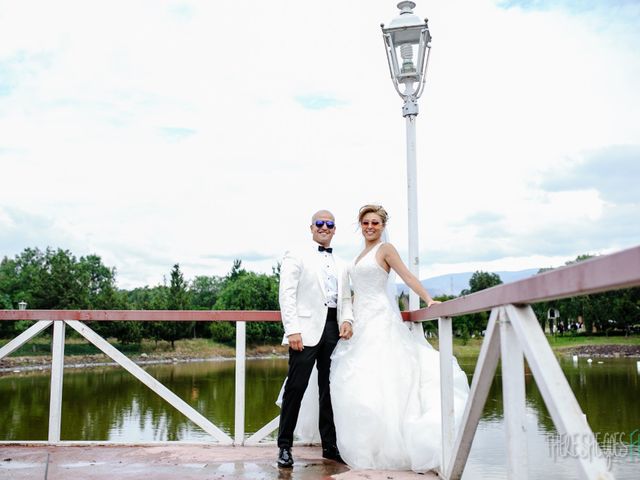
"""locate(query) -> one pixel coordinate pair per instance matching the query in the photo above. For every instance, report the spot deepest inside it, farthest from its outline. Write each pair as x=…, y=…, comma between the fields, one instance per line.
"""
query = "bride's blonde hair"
x=377, y=209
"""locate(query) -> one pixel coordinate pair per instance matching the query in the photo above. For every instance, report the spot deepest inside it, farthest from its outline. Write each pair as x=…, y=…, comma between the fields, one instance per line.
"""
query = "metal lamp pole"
x=407, y=38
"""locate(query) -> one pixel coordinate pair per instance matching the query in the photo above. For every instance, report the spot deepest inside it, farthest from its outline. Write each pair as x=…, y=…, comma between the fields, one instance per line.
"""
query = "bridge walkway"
x=179, y=461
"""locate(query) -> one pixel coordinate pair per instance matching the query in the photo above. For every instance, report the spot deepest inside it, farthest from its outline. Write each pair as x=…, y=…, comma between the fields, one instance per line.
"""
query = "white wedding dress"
x=385, y=383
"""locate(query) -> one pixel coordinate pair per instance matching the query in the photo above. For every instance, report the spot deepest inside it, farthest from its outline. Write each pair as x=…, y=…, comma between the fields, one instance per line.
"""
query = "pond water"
x=108, y=403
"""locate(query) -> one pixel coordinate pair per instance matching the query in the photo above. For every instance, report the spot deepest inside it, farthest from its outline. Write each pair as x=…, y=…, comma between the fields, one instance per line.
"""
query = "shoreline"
x=42, y=363
x=33, y=363
x=601, y=351
x=22, y=365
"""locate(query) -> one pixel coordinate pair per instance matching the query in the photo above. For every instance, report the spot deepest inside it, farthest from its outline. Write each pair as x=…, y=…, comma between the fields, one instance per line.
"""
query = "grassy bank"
x=78, y=350
x=41, y=346
x=560, y=344
x=38, y=350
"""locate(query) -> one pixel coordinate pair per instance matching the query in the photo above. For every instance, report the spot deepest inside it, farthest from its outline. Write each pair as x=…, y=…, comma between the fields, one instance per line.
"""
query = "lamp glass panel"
x=409, y=35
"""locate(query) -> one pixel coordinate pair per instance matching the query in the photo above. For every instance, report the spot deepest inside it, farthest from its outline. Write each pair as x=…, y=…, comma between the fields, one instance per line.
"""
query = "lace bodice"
x=369, y=281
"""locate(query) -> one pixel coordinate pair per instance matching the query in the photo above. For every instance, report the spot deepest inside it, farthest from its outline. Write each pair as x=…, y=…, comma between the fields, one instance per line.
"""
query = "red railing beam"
x=144, y=315
x=149, y=315
x=607, y=272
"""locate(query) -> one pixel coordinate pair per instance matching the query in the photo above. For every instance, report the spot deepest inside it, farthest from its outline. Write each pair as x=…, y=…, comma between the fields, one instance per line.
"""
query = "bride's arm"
x=393, y=260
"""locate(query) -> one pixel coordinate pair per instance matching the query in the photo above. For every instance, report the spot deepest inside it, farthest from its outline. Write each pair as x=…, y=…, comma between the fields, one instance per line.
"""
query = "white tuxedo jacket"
x=303, y=303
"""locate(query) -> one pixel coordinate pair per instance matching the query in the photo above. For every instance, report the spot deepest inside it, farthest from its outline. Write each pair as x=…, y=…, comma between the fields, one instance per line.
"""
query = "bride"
x=385, y=381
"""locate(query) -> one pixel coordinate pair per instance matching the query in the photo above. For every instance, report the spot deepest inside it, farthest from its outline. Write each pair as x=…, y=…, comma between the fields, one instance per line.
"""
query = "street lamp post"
x=406, y=41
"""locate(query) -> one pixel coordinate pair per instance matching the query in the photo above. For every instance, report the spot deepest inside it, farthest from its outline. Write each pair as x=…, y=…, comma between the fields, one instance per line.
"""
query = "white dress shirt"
x=330, y=278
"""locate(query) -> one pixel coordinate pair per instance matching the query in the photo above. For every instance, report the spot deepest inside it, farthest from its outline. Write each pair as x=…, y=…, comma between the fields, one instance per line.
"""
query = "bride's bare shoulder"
x=388, y=248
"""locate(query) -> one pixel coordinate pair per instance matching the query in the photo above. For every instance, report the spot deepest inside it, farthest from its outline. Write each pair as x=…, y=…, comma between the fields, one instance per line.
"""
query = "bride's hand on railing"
x=433, y=302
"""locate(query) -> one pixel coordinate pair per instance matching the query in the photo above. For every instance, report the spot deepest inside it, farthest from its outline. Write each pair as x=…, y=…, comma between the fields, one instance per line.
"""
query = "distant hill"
x=454, y=283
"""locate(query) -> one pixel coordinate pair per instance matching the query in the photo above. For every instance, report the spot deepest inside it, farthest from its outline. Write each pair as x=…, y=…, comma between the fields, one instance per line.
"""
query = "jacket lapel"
x=339, y=273
x=318, y=268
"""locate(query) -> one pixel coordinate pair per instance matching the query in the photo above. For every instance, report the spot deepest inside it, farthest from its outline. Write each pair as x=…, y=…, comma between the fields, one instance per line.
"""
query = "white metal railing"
x=57, y=373
x=61, y=318
x=512, y=334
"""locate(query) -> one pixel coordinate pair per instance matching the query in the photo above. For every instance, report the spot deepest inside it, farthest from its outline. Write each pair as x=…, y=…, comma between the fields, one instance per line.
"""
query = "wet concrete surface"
x=180, y=461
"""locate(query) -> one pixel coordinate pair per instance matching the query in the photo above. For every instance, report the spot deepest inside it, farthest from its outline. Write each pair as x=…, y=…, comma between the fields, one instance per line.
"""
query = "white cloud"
x=161, y=132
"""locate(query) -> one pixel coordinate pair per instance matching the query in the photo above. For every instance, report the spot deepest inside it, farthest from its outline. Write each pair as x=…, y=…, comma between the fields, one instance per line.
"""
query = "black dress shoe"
x=332, y=454
x=285, y=459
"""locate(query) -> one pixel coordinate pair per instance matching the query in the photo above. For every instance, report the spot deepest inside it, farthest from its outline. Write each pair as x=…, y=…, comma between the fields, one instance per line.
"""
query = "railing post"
x=513, y=394
x=480, y=385
x=57, y=371
x=445, y=345
x=241, y=342
x=560, y=400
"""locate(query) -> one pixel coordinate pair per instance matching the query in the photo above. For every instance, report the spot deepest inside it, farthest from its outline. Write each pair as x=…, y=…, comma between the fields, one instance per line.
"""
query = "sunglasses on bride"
x=373, y=223
x=328, y=223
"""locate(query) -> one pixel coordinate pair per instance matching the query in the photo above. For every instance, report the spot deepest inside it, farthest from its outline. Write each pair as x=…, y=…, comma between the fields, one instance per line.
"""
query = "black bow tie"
x=325, y=249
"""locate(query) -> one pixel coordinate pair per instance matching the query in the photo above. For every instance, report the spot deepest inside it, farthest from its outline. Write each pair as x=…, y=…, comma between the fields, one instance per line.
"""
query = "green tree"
x=203, y=292
x=8, y=288
x=98, y=282
x=5, y=301
x=607, y=312
x=576, y=309
x=482, y=280
x=178, y=294
x=177, y=299
x=249, y=291
x=430, y=327
x=146, y=298
x=541, y=309
x=571, y=309
x=469, y=325
x=21, y=278
x=56, y=279
x=98, y=291
x=7, y=329
x=236, y=270
x=60, y=286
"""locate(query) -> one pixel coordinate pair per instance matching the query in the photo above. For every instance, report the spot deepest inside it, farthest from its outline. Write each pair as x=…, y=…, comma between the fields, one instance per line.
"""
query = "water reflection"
x=110, y=404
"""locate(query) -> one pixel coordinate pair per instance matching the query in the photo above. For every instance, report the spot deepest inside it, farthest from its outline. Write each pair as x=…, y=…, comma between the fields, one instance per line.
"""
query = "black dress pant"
x=300, y=367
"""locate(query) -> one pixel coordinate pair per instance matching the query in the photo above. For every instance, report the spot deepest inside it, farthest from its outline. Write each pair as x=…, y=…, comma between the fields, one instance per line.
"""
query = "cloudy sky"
x=155, y=132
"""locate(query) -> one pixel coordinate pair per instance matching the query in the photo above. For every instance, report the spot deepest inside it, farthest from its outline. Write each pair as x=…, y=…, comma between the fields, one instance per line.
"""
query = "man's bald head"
x=322, y=214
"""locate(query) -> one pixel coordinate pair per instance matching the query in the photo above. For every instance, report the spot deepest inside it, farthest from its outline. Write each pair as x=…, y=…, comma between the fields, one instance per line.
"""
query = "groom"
x=315, y=303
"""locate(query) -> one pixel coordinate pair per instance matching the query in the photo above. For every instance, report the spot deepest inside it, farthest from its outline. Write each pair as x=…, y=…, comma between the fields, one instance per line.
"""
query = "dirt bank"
x=607, y=351
x=43, y=362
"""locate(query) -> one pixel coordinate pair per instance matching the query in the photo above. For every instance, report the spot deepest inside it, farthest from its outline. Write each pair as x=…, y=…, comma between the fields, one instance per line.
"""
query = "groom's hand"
x=295, y=342
x=346, y=331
